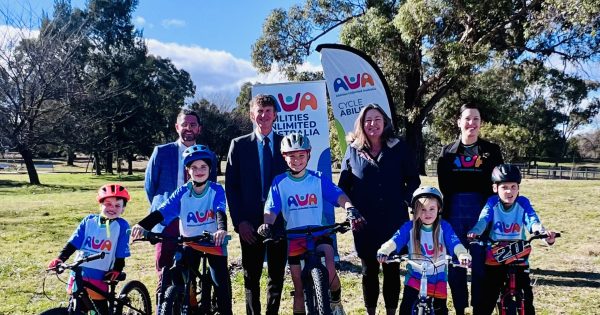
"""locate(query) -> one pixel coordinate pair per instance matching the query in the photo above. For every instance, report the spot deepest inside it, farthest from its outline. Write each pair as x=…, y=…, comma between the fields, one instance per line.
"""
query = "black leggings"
x=370, y=283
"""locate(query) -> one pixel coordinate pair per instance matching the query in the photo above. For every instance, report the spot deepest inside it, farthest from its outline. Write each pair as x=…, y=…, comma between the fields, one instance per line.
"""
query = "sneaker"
x=337, y=308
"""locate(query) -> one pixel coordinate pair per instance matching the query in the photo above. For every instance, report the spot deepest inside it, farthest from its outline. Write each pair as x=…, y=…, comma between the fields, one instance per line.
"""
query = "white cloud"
x=139, y=21
x=216, y=72
x=168, y=23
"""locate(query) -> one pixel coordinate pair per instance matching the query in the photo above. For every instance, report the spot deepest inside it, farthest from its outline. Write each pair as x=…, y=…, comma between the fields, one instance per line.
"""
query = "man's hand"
x=247, y=231
x=381, y=257
x=137, y=232
x=265, y=230
x=219, y=237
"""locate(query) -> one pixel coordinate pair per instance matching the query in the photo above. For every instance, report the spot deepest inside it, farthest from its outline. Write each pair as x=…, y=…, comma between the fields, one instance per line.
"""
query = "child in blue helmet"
x=509, y=215
x=426, y=236
x=200, y=206
x=299, y=195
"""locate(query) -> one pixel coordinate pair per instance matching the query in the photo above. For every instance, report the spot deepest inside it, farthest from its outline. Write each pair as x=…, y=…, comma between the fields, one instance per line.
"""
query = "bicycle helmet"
x=198, y=152
x=112, y=190
x=427, y=191
x=506, y=173
x=295, y=142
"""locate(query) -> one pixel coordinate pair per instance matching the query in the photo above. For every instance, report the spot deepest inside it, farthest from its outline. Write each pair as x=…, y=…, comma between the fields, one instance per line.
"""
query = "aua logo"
x=200, y=216
x=429, y=249
x=467, y=161
x=97, y=244
x=507, y=228
x=353, y=83
x=299, y=101
x=301, y=201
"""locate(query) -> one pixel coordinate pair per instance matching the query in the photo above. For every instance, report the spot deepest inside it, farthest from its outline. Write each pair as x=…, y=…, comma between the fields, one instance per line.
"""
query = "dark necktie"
x=267, y=157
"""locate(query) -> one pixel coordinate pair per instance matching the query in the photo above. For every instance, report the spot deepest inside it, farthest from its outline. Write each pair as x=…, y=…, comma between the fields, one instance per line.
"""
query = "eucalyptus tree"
x=426, y=48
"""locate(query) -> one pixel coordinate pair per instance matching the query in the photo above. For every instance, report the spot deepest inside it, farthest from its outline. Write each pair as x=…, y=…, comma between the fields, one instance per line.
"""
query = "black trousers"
x=253, y=256
x=370, y=283
x=494, y=279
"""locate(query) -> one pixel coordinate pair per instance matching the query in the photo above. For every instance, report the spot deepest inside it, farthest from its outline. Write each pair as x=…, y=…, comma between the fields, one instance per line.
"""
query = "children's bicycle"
x=133, y=298
x=177, y=298
x=424, y=266
x=511, y=254
x=315, y=277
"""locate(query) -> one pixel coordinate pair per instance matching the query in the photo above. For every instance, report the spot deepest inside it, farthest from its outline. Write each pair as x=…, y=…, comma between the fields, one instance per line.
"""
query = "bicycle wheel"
x=56, y=311
x=172, y=301
x=321, y=290
x=136, y=297
x=207, y=304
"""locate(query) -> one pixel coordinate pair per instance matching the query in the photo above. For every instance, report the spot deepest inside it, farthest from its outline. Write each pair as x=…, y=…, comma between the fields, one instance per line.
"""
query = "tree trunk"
x=97, y=163
x=130, y=164
x=31, y=171
x=70, y=157
x=108, y=168
x=414, y=137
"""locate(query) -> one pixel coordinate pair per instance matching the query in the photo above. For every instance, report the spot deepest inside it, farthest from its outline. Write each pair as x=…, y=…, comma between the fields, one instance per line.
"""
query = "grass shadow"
x=576, y=279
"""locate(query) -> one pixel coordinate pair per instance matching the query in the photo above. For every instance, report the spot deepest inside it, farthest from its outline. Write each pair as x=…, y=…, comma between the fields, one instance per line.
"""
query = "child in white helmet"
x=427, y=236
x=300, y=195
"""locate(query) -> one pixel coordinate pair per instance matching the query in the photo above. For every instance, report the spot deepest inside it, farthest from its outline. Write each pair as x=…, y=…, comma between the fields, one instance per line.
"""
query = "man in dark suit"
x=253, y=161
x=164, y=173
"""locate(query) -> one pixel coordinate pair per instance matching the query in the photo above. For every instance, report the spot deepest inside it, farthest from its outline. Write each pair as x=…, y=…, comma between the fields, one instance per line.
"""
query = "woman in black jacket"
x=379, y=174
x=464, y=176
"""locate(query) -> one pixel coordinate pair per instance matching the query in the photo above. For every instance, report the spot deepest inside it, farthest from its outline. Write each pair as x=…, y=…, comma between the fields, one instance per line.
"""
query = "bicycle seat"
x=122, y=276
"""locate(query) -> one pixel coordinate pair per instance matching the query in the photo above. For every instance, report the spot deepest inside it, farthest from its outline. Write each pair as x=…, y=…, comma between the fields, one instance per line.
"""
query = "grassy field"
x=35, y=222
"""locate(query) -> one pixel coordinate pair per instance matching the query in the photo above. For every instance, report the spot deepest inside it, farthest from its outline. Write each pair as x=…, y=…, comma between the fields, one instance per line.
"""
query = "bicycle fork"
x=506, y=300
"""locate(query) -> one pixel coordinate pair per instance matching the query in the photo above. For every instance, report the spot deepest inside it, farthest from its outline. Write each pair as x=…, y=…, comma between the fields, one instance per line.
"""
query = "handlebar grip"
x=94, y=257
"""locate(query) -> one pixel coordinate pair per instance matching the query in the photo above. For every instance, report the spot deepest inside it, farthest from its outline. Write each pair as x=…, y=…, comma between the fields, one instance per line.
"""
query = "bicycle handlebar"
x=480, y=239
x=153, y=238
x=339, y=227
x=60, y=268
x=418, y=266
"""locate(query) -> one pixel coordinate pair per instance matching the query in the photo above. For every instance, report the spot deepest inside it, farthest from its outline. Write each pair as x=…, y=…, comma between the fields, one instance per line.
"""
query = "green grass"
x=35, y=223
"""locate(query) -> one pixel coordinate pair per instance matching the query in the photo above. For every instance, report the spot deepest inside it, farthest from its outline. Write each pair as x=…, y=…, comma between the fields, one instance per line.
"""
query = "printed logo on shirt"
x=297, y=102
x=428, y=249
x=302, y=200
x=97, y=244
x=503, y=228
x=467, y=161
x=200, y=216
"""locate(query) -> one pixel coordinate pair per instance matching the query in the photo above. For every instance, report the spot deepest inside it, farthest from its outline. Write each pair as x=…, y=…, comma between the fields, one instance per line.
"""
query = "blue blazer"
x=161, y=174
x=243, y=180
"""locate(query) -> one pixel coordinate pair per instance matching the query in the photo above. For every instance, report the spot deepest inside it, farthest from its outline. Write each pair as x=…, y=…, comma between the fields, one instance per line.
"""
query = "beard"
x=189, y=136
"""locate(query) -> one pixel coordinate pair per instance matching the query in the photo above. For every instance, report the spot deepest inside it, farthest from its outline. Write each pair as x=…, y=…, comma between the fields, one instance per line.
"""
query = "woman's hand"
x=219, y=236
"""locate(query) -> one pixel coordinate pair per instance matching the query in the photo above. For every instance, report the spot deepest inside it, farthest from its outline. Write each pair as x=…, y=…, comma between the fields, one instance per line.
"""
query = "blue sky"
x=209, y=39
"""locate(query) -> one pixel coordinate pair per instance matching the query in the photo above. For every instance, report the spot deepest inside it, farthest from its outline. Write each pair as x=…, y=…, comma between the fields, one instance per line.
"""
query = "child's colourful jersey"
x=301, y=201
x=506, y=224
x=196, y=212
x=92, y=237
x=436, y=279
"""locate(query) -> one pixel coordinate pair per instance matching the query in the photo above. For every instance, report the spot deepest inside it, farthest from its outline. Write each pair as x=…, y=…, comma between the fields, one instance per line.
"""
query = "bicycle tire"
x=321, y=290
x=56, y=311
x=172, y=301
x=207, y=303
x=135, y=294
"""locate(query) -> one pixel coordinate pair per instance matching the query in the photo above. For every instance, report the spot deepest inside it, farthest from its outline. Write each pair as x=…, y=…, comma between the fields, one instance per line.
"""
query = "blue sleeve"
x=450, y=238
x=171, y=208
x=122, y=250
x=485, y=217
x=273, y=202
x=402, y=236
x=331, y=192
x=219, y=203
x=530, y=217
x=152, y=175
x=78, y=235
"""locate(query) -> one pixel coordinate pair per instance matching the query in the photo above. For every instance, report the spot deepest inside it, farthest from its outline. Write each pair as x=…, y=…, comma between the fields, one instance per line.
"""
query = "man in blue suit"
x=164, y=174
x=253, y=161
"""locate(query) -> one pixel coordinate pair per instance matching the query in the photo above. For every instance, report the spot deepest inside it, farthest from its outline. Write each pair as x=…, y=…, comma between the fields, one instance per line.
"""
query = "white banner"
x=353, y=81
x=302, y=107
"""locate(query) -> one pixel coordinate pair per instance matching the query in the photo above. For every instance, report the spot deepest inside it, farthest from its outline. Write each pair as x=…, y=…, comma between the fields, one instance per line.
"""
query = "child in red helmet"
x=104, y=232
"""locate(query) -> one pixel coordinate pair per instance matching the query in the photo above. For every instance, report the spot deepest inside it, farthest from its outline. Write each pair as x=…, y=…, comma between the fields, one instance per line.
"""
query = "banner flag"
x=353, y=81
